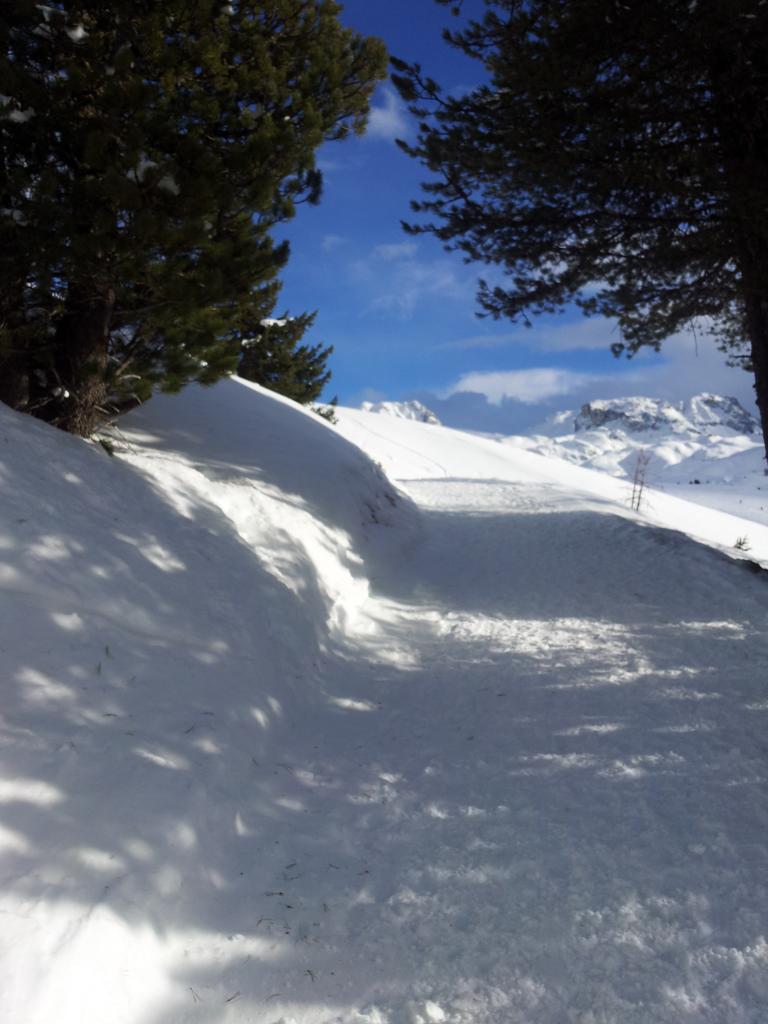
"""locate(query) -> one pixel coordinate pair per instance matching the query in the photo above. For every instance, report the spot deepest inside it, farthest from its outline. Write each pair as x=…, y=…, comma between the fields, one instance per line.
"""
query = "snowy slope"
x=162, y=616
x=407, y=452
x=708, y=449
x=284, y=745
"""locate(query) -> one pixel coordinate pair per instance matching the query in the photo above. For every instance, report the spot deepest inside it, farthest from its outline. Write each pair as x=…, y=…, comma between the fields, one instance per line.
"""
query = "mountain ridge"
x=710, y=442
x=703, y=413
x=408, y=410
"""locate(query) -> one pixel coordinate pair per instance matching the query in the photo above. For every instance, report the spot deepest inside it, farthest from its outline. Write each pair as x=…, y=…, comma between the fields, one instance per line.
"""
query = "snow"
x=704, y=413
x=20, y=116
x=285, y=743
x=411, y=410
x=77, y=34
x=169, y=184
x=708, y=449
x=139, y=172
x=15, y=215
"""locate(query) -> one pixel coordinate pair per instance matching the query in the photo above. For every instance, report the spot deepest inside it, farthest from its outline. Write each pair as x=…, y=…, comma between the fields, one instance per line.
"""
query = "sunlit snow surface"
x=282, y=745
x=708, y=450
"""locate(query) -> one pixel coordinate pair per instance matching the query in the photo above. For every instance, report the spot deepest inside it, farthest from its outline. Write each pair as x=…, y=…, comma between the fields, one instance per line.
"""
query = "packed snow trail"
x=552, y=807
x=500, y=763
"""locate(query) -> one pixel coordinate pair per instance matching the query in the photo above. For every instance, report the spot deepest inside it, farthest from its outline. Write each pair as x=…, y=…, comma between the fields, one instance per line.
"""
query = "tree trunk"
x=15, y=346
x=757, y=326
x=77, y=387
x=14, y=381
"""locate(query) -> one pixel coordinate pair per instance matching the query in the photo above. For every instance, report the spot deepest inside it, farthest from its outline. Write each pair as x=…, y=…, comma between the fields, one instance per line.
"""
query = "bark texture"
x=78, y=389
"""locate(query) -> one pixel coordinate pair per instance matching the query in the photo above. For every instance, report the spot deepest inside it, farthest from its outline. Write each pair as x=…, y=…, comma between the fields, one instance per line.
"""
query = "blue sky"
x=401, y=312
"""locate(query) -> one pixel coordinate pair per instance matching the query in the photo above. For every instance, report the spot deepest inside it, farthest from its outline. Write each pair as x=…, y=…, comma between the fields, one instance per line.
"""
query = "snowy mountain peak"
x=403, y=410
x=698, y=415
x=707, y=410
x=708, y=442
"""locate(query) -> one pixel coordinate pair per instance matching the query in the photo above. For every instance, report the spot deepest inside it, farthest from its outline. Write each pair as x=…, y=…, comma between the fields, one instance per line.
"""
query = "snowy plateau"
x=381, y=723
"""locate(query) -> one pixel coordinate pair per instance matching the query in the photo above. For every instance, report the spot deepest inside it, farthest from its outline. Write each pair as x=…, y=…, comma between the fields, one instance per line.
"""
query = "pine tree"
x=147, y=149
x=616, y=156
x=274, y=358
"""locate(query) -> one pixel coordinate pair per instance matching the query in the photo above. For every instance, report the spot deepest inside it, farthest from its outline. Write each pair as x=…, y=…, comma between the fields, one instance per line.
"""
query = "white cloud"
x=515, y=401
x=689, y=363
x=413, y=282
x=398, y=282
x=331, y=242
x=388, y=120
x=528, y=386
x=597, y=333
x=395, y=251
x=366, y=395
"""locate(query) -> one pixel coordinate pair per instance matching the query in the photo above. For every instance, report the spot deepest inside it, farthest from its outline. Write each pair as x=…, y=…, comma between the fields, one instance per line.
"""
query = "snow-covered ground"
x=283, y=744
x=708, y=450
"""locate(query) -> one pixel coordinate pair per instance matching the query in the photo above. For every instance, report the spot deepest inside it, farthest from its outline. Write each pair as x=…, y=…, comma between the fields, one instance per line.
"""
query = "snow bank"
x=288, y=484
x=163, y=612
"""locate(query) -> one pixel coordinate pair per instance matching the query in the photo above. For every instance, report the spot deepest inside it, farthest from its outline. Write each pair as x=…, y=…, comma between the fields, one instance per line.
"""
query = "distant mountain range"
x=708, y=442
x=702, y=414
x=708, y=448
x=402, y=410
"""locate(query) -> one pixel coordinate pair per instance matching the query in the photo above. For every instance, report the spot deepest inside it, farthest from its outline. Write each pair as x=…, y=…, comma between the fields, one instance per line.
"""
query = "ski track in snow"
x=518, y=777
